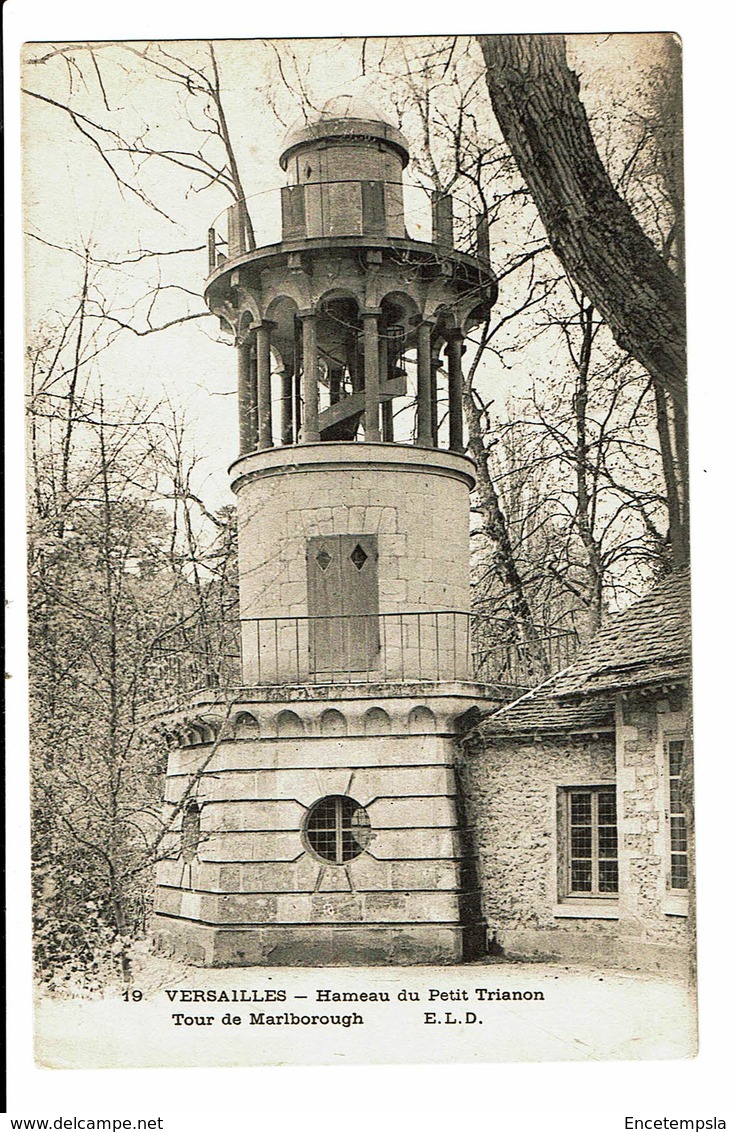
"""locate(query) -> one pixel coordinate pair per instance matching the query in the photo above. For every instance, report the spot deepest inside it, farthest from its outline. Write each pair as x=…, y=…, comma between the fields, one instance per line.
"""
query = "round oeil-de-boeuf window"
x=337, y=829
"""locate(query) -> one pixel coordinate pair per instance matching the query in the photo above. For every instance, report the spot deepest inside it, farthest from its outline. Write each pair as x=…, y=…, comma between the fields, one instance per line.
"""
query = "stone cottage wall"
x=653, y=918
x=510, y=790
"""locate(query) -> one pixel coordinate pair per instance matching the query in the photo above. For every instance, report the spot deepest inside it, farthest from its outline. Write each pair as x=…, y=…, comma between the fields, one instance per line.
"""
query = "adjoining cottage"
x=579, y=799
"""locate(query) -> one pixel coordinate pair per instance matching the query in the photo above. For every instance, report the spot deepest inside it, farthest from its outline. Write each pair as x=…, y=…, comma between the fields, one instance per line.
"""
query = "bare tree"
x=191, y=141
x=210, y=159
x=593, y=437
x=112, y=572
x=591, y=228
x=438, y=97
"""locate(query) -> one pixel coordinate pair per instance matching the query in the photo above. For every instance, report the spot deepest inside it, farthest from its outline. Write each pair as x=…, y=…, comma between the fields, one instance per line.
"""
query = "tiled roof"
x=649, y=643
x=538, y=712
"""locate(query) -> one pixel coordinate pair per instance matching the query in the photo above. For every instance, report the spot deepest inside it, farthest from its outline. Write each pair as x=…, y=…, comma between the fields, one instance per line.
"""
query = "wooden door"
x=343, y=604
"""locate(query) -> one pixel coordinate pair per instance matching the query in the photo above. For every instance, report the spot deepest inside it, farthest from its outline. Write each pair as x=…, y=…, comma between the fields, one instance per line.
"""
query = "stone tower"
x=325, y=826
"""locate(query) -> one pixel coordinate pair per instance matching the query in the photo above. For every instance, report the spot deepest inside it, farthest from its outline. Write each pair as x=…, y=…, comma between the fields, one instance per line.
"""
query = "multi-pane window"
x=677, y=816
x=337, y=829
x=591, y=841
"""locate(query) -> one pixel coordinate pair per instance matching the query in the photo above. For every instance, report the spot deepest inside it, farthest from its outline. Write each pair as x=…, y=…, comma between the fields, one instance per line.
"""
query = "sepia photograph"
x=359, y=604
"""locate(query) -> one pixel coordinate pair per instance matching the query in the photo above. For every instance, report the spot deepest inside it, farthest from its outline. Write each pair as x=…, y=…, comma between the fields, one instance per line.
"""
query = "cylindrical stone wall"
x=415, y=502
x=335, y=180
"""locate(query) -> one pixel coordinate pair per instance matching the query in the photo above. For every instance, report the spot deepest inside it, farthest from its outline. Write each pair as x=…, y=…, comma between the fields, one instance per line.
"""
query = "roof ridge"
x=529, y=694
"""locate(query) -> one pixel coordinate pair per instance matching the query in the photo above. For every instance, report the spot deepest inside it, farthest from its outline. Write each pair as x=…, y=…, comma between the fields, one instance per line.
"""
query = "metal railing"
x=413, y=647
x=200, y=652
x=177, y=673
x=386, y=209
x=396, y=647
x=500, y=660
x=356, y=648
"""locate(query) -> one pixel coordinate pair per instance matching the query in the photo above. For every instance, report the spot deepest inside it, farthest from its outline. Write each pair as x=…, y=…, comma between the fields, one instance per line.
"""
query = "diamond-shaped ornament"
x=323, y=559
x=358, y=557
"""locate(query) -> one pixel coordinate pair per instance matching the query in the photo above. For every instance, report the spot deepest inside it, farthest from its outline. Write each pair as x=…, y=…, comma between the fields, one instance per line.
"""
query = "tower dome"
x=348, y=116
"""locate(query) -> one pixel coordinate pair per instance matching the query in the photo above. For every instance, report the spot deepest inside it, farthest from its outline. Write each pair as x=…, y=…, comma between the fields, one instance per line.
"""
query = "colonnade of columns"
x=300, y=389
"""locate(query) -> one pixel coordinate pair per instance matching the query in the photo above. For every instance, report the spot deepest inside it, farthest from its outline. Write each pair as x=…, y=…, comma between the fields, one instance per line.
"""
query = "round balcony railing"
x=401, y=647
x=385, y=210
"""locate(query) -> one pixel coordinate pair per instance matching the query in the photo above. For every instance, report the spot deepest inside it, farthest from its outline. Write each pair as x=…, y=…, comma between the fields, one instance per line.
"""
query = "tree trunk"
x=590, y=227
x=495, y=527
x=586, y=495
x=673, y=490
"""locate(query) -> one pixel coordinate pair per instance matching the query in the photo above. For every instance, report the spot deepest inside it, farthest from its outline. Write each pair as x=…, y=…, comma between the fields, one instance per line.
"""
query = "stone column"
x=310, y=429
x=254, y=395
x=371, y=375
x=424, y=391
x=263, y=376
x=246, y=415
x=453, y=352
x=387, y=410
x=435, y=365
x=287, y=404
x=297, y=402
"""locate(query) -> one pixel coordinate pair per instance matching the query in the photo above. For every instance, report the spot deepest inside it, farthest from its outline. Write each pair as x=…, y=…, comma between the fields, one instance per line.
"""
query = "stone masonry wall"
x=651, y=914
x=421, y=520
x=510, y=790
x=510, y=794
x=255, y=892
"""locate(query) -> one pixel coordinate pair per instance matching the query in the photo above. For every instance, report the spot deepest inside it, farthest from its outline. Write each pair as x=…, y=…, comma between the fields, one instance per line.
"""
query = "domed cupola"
x=351, y=121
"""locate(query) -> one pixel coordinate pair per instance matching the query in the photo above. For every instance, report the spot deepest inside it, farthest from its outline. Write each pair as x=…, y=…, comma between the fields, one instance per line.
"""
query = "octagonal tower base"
x=254, y=891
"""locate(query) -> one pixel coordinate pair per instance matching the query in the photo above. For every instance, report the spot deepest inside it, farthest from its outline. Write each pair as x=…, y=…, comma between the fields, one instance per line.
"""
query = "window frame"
x=566, y=891
x=191, y=831
x=339, y=829
x=373, y=208
x=671, y=889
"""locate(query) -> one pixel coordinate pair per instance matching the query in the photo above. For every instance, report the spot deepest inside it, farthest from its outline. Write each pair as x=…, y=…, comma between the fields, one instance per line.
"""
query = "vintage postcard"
x=358, y=512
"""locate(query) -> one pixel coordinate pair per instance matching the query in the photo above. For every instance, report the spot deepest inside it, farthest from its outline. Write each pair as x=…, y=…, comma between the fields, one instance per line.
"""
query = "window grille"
x=359, y=557
x=591, y=841
x=293, y=211
x=373, y=207
x=395, y=345
x=337, y=829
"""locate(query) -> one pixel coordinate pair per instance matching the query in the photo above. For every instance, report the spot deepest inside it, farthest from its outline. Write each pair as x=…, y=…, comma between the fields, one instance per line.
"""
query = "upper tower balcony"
x=344, y=169
x=348, y=282
x=364, y=210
